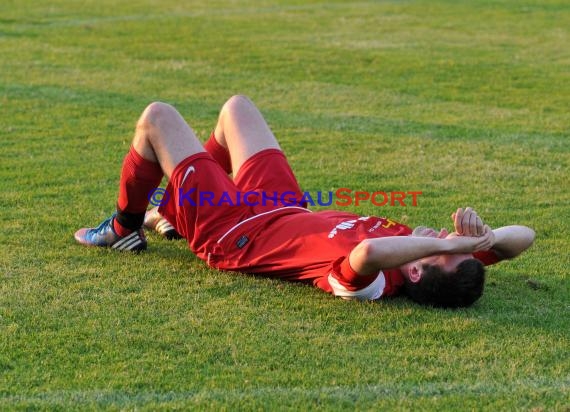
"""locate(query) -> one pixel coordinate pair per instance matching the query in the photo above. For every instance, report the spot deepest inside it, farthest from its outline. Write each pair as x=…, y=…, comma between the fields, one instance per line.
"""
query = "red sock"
x=139, y=177
x=219, y=153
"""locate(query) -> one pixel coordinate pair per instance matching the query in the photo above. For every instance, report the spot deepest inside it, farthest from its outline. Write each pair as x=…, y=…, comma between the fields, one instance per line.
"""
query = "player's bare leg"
x=242, y=130
x=162, y=140
x=163, y=136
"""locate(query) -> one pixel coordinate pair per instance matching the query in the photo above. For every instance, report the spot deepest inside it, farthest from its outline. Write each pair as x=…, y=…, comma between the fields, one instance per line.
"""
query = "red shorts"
x=204, y=203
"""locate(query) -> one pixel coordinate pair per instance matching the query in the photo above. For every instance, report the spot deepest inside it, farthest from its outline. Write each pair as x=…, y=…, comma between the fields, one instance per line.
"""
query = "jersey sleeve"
x=487, y=257
x=394, y=282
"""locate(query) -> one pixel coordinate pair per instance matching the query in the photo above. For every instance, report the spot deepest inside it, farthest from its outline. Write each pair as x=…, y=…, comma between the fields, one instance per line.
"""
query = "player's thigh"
x=245, y=130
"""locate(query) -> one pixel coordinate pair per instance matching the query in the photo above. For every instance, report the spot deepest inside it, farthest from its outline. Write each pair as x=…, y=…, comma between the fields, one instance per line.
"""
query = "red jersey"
x=295, y=244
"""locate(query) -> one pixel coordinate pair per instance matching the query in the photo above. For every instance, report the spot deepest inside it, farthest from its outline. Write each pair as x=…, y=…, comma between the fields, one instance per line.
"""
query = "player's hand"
x=467, y=222
x=472, y=244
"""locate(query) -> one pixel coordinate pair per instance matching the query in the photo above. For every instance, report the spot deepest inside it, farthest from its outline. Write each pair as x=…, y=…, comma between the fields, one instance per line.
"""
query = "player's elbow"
x=525, y=240
x=522, y=238
x=528, y=237
x=362, y=258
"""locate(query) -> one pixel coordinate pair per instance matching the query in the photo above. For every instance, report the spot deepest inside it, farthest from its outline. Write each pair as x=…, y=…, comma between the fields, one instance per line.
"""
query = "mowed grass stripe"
x=198, y=11
x=365, y=392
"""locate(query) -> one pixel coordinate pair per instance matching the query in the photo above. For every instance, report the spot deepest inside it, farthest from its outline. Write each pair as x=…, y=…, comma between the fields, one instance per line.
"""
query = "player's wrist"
x=447, y=246
x=460, y=244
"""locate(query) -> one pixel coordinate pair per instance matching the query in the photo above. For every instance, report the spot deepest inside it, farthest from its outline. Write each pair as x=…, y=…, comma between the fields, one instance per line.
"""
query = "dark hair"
x=443, y=289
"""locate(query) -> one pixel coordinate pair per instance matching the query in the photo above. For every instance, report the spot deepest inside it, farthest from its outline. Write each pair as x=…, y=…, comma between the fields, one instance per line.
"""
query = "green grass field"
x=466, y=101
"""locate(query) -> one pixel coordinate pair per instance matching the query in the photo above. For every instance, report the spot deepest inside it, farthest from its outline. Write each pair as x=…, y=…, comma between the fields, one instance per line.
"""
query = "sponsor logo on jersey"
x=242, y=241
x=346, y=225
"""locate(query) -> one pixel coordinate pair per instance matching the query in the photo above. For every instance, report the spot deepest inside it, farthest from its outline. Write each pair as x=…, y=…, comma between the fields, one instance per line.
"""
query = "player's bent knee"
x=236, y=103
x=155, y=113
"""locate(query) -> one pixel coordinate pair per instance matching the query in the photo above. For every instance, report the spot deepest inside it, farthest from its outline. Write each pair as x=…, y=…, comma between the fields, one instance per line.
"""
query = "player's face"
x=447, y=262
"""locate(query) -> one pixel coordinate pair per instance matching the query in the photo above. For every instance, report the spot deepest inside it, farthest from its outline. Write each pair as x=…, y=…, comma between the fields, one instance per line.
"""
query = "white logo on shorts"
x=191, y=169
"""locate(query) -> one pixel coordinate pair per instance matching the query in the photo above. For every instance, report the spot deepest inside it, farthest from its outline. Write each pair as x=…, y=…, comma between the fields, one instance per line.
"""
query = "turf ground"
x=467, y=102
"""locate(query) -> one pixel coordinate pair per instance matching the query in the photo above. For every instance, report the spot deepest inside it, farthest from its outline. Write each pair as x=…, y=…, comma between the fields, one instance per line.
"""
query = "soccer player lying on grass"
x=348, y=255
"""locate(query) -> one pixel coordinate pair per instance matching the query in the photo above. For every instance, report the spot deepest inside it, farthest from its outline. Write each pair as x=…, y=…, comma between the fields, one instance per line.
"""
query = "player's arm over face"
x=372, y=255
